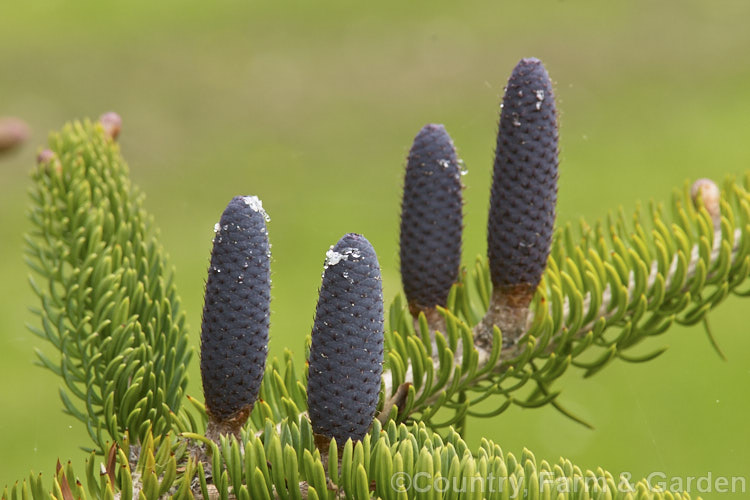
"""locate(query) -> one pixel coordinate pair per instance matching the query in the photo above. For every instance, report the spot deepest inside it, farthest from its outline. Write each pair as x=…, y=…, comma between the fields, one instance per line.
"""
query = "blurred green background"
x=313, y=106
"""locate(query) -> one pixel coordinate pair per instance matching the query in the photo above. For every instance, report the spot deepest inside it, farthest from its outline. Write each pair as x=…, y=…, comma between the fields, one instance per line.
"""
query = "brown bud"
x=13, y=132
x=48, y=158
x=45, y=156
x=112, y=123
x=707, y=191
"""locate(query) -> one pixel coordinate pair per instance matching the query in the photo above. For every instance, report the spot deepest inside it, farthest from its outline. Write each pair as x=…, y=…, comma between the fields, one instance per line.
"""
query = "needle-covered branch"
x=605, y=290
x=108, y=304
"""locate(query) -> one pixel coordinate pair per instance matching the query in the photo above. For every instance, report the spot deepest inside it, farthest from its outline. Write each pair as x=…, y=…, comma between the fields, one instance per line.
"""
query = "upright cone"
x=431, y=220
x=346, y=355
x=524, y=194
x=234, y=333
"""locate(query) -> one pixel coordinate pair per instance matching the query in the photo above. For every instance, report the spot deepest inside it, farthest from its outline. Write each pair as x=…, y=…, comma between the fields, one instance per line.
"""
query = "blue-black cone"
x=234, y=333
x=431, y=220
x=346, y=354
x=524, y=185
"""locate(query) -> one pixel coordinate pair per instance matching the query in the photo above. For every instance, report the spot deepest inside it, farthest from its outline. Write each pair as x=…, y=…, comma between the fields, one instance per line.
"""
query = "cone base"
x=228, y=426
x=509, y=310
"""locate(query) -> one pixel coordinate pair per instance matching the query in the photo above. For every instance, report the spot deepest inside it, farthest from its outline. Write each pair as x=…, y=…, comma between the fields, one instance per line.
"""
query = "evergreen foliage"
x=108, y=303
x=607, y=288
x=284, y=462
x=110, y=312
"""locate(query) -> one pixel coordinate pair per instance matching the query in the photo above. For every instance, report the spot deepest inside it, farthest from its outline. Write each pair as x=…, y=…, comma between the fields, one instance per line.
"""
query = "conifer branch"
x=571, y=315
x=109, y=307
x=605, y=309
x=108, y=301
x=393, y=461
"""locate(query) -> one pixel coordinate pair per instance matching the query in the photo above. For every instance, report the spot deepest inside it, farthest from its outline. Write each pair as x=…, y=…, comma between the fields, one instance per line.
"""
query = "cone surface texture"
x=431, y=219
x=524, y=185
x=346, y=355
x=234, y=333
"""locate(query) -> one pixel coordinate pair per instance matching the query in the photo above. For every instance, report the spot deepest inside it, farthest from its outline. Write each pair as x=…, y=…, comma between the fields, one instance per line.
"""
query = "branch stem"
x=514, y=350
